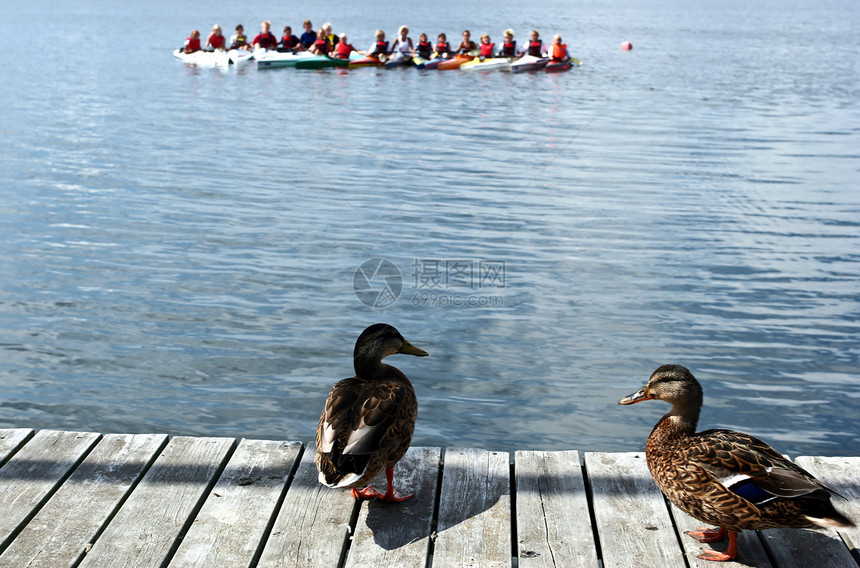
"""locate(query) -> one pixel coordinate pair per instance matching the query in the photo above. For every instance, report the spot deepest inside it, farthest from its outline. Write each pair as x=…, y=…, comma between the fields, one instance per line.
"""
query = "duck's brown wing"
x=357, y=425
x=730, y=456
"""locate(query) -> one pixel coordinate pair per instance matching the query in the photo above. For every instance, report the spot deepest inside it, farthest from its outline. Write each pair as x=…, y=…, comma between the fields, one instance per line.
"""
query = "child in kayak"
x=321, y=46
x=216, y=39
x=192, y=42
x=402, y=46
x=343, y=48
x=443, y=48
x=289, y=42
x=329, y=35
x=379, y=47
x=239, y=40
x=265, y=39
x=486, y=46
x=424, y=49
x=509, y=48
x=536, y=47
x=559, y=50
x=467, y=44
x=309, y=36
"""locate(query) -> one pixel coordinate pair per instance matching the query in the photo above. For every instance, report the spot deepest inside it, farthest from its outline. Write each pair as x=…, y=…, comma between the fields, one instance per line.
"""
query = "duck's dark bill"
x=637, y=396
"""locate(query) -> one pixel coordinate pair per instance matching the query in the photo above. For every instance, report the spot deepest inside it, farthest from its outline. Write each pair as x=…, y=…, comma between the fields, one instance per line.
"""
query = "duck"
x=726, y=478
x=368, y=420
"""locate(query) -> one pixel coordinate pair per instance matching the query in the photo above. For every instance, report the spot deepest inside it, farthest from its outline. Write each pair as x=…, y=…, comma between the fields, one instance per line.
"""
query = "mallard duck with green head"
x=725, y=478
x=368, y=420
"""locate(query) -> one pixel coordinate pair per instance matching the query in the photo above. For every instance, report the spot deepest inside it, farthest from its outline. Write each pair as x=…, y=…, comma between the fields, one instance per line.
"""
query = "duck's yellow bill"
x=410, y=349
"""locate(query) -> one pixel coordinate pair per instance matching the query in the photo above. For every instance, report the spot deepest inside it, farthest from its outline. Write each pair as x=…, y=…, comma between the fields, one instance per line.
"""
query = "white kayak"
x=239, y=56
x=528, y=63
x=207, y=58
x=275, y=59
x=488, y=64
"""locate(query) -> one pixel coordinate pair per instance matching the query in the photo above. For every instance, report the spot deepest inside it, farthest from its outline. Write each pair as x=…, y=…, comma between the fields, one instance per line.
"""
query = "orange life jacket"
x=559, y=51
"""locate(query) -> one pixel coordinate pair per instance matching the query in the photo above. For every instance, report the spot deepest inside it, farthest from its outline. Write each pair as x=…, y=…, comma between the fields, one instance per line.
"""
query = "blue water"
x=180, y=244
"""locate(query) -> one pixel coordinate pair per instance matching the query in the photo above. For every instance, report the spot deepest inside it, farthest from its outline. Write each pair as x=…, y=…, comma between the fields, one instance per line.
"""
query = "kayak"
x=398, y=60
x=556, y=66
x=434, y=63
x=454, y=63
x=488, y=64
x=529, y=63
x=320, y=62
x=207, y=58
x=238, y=56
x=365, y=62
x=274, y=59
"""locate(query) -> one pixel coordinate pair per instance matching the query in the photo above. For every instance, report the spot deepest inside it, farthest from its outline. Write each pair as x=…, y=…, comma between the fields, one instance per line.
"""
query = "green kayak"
x=320, y=61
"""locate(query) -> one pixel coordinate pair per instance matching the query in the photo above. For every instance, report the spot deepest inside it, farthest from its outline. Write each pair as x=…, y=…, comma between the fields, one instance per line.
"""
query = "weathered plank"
x=553, y=521
x=314, y=522
x=842, y=474
x=12, y=439
x=32, y=475
x=398, y=534
x=801, y=548
x=60, y=533
x=632, y=518
x=750, y=550
x=474, y=526
x=795, y=548
x=145, y=530
x=231, y=524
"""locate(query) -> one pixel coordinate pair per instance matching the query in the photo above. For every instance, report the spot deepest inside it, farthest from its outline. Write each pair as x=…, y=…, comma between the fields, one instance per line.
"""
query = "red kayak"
x=556, y=66
x=365, y=62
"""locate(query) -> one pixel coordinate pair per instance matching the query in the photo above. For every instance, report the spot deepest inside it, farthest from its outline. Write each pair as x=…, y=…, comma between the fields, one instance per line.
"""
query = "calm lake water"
x=180, y=245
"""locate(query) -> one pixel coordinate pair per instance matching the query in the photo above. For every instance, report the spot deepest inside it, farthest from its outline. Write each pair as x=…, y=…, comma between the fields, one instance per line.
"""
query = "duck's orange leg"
x=704, y=534
x=390, y=495
x=730, y=554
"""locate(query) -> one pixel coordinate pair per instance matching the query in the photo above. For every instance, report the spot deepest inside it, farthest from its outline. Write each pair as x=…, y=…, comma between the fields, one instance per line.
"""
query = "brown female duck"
x=722, y=477
x=368, y=420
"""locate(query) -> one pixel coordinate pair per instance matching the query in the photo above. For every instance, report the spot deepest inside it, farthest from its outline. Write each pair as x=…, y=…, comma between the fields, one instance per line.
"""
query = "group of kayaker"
x=325, y=42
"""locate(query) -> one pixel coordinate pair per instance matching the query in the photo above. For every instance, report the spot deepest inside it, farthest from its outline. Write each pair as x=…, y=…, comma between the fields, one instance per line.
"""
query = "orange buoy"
x=626, y=46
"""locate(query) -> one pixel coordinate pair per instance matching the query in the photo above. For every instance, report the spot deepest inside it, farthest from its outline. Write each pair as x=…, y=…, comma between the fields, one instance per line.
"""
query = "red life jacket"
x=192, y=44
x=217, y=42
x=381, y=47
x=534, y=47
x=290, y=42
x=509, y=49
x=442, y=47
x=487, y=49
x=559, y=52
x=342, y=50
x=322, y=46
x=266, y=41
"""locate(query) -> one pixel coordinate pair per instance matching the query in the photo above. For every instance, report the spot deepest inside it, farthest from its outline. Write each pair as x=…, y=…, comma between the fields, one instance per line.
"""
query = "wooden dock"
x=121, y=500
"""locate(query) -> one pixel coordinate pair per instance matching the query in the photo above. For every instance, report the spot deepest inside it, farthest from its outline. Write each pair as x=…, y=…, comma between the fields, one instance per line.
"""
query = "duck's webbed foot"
x=730, y=554
x=704, y=534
